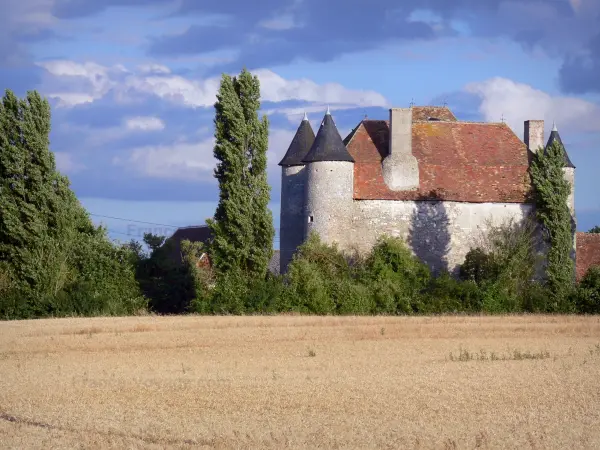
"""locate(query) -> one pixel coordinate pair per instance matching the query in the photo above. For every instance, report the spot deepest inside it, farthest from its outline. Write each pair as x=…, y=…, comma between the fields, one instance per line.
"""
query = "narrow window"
x=311, y=219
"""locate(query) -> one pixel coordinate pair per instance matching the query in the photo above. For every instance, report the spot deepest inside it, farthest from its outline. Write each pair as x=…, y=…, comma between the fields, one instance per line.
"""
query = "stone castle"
x=423, y=175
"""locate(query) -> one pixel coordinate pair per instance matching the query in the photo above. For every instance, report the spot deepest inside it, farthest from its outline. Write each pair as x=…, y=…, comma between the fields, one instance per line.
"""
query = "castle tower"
x=293, y=177
x=569, y=175
x=329, y=185
x=568, y=169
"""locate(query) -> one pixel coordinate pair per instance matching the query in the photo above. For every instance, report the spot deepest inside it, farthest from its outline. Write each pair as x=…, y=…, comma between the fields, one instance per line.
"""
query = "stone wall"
x=588, y=252
x=440, y=233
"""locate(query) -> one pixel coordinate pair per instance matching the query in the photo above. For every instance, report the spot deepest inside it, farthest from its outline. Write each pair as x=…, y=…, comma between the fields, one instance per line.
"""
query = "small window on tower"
x=311, y=219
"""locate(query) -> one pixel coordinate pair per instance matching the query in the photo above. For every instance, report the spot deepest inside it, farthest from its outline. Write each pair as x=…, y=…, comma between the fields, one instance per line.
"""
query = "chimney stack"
x=534, y=135
x=400, y=131
x=400, y=167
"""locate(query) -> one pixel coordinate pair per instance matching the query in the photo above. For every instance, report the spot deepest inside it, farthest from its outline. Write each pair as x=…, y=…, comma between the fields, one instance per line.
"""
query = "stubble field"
x=301, y=382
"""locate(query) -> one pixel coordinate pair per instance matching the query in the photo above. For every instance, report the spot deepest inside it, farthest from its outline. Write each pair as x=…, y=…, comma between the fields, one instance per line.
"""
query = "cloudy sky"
x=132, y=83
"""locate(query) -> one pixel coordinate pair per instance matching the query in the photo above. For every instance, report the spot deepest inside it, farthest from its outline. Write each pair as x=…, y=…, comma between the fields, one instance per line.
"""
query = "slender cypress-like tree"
x=243, y=224
x=552, y=210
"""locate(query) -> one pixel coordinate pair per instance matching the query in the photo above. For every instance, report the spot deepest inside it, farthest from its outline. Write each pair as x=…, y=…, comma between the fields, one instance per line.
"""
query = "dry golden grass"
x=301, y=382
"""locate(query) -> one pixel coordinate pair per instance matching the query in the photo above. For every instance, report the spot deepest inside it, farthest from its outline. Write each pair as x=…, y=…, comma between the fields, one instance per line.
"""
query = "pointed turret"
x=303, y=140
x=328, y=145
x=554, y=136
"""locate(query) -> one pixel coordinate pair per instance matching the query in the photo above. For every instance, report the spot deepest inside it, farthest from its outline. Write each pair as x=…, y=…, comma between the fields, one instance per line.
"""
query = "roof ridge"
x=192, y=226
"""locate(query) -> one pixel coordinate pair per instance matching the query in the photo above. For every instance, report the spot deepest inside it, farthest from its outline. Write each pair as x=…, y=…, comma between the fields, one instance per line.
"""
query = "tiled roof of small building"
x=198, y=233
x=458, y=161
x=202, y=233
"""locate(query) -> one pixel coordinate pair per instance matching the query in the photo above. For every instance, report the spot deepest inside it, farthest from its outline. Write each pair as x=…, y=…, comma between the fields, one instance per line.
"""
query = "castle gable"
x=458, y=161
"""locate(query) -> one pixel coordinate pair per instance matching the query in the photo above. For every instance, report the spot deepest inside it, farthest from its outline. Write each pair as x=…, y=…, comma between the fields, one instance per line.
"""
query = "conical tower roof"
x=303, y=140
x=554, y=136
x=328, y=145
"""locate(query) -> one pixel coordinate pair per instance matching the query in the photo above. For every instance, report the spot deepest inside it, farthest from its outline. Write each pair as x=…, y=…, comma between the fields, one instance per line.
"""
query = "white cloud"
x=66, y=164
x=79, y=83
x=275, y=88
x=279, y=141
x=194, y=160
x=153, y=68
x=518, y=102
x=176, y=89
x=179, y=160
x=96, y=81
x=144, y=123
x=279, y=23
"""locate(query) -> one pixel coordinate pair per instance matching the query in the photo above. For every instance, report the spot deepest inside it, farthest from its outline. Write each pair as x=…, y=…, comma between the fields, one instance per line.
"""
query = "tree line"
x=55, y=262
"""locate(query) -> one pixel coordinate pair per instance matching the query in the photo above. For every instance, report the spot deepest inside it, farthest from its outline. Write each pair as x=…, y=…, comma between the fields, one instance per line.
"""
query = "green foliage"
x=503, y=266
x=167, y=283
x=243, y=225
x=587, y=295
x=595, y=229
x=322, y=280
x=397, y=277
x=310, y=275
x=53, y=261
x=448, y=294
x=551, y=192
x=479, y=266
x=230, y=293
x=267, y=296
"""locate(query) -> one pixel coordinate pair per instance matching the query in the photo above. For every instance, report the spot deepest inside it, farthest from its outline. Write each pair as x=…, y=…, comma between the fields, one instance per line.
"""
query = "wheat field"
x=301, y=382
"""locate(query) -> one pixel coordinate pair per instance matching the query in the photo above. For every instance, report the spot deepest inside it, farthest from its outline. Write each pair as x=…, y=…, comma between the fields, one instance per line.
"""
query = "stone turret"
x=568, y=169
x=293, y=181
x=569, y=175
x=329, y=186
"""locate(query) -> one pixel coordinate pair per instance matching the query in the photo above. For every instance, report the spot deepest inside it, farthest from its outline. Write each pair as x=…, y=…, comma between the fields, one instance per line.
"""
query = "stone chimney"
x=400, y=167
x=534, y=135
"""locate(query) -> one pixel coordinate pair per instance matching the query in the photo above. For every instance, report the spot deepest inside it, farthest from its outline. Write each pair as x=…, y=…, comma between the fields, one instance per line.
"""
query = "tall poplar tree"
x=552, y=210
x=243, y=224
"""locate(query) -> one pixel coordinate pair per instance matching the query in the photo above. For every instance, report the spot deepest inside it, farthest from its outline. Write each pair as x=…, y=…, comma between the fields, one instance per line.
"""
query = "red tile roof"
x=458, y=161
x=432, y=112
x=588, y=252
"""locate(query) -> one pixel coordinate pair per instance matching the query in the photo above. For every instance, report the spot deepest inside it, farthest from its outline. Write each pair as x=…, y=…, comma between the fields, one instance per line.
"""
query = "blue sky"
x=132, y=83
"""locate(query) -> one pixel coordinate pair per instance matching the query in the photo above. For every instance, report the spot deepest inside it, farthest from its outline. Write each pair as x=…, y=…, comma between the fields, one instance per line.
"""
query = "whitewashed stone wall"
x=440, y=233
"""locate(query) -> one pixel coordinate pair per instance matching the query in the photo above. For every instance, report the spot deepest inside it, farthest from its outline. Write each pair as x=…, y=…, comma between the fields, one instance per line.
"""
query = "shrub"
x=268, y=295
x=587, y=295
x=230, y=293
x=201, y=276
x=478, y=266
x=352, y=297
x=308, y=286
x=396, y=277
x=447, y=294
x=323, y=280
x=503, y=266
